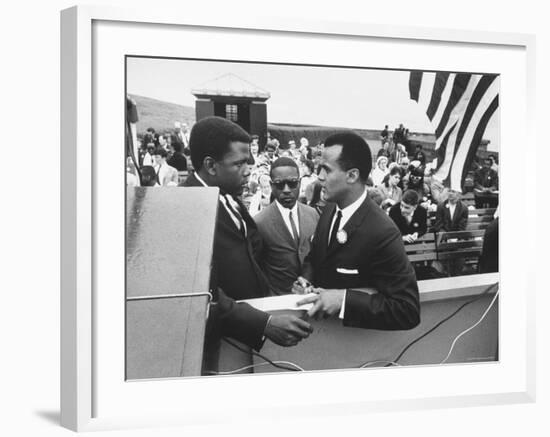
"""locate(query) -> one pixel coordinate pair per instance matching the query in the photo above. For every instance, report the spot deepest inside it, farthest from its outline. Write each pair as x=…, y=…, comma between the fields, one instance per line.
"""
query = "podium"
x=169, y=244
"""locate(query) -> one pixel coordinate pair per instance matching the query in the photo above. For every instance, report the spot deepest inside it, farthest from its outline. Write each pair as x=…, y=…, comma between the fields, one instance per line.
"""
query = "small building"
x=236, y=99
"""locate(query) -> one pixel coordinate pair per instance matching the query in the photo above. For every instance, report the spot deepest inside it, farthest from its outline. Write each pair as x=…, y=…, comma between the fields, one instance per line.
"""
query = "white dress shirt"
x=347, y=212
x=452, y=209
x=285, y=213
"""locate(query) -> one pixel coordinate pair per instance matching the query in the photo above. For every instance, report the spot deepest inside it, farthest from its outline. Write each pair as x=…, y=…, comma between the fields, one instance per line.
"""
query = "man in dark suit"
x=220, y=155
x=356, y=245
x=286, y=227
x=409, y=217
x=451, y=215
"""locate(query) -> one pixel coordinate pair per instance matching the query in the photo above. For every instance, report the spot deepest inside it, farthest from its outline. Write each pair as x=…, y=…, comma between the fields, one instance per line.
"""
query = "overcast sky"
x=341, y=97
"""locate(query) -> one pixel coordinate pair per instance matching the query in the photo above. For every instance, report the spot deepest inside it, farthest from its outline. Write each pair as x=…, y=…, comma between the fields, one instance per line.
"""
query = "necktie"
x=293, y=226
x=237, y=215
x=335, y=228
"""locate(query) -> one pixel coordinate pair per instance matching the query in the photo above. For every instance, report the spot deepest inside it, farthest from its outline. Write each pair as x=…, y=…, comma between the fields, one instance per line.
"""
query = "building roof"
x=230, y=85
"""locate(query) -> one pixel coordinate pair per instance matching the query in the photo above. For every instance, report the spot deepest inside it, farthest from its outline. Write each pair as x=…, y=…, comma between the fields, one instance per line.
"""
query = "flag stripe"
x=440, y=82
x=469, y=137
x=479, y=93
x=414, y=84
x=478, y=136
x=459, y=107
x=436, y=120
x=426, y=89
x=459, y=87
x=442, y=149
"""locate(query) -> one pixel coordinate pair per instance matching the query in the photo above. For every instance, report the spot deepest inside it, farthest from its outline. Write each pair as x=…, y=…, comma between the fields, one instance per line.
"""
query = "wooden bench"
x=479, y=219
x=447, y=248
x=460, y=245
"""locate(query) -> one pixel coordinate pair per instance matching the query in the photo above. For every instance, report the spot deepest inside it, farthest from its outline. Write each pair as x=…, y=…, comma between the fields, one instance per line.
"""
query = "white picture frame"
x=83, y=368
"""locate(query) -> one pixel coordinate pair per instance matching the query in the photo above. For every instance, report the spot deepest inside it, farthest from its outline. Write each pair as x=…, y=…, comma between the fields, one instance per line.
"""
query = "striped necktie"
x=236, y=214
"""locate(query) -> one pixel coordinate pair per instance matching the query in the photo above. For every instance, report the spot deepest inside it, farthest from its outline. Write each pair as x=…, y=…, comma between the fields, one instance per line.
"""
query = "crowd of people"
x=402, y=181
x=320, y=220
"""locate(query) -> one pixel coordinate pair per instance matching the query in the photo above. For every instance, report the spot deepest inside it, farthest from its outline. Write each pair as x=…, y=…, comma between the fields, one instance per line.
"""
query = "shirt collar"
x=284, y=211
x=349, y=210
x=200, y=179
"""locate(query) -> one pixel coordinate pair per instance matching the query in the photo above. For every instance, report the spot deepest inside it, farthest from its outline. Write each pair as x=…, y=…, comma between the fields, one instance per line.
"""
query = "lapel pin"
x=342, y=236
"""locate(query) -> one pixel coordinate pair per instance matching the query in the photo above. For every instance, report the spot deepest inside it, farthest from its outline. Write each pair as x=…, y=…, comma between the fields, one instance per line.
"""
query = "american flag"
x=459, y=106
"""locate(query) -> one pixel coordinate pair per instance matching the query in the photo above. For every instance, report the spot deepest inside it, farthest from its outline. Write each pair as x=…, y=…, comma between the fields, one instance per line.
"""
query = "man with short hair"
x=286, y=227
x=178, y=159
x=220, y=153
x=409, y=218
x=451, y=215
x=356, y=245
x=486, y=186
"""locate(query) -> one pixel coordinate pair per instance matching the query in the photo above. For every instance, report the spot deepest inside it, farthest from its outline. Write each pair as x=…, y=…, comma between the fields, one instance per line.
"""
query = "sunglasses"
x=280, y=185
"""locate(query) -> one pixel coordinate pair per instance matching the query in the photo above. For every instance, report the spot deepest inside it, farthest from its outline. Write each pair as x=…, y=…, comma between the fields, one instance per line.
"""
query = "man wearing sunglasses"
x=286, y=227
x=357, y=264
x=220, y=155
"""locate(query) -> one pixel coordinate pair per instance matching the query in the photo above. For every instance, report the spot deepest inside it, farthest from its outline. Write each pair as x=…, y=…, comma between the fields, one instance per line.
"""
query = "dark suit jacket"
x=282, y=258
x=444, y=221
x=235, y=275
x=417, y=224
x=373, y=256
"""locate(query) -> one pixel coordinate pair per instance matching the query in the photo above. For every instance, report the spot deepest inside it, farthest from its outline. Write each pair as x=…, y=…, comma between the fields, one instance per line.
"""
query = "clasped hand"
x=287, y=330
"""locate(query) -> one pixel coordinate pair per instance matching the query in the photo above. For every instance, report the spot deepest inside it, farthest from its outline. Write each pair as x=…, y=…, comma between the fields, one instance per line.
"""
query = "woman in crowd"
x=380, y=170
x=317, y=200
x=389, y=188
x=262, y=196
x=416, y=183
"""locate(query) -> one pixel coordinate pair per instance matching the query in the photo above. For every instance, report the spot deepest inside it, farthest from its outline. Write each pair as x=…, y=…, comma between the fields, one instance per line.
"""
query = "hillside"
x=161, y=115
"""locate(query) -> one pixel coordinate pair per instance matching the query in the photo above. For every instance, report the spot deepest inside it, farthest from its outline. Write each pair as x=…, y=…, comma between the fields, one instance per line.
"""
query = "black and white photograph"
x=290, y=218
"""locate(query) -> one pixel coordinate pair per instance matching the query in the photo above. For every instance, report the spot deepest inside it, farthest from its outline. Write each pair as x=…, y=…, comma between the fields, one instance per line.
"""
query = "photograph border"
x=78, y=214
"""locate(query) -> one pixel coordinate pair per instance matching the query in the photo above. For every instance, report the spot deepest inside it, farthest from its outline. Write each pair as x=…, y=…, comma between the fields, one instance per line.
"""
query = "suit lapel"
x=323, y=229
x=351, y=226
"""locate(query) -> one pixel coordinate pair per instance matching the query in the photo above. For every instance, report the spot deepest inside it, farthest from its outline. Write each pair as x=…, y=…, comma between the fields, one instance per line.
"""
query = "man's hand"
x=287, y=330
x=408, y=238
x=326, y=303
x=302, y=286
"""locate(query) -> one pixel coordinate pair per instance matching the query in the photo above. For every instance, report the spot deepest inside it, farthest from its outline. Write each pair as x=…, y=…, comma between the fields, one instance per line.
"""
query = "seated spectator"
x=379, y=171
x=419, y=155
x=398, y=153
x=317, y=200
x=384, y=151
x=262, y=197
x=451, y=215
x=178, y=159
x=494, y=161
x=148, y=176
x=416, y=183
x=389, y=188
x=486, y=186
x=409, y=218
x=439, y=192
x=166, y=174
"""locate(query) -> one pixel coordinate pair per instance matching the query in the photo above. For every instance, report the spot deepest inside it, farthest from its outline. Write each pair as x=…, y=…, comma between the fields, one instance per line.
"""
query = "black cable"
x=437, y=325
x=280, y=366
